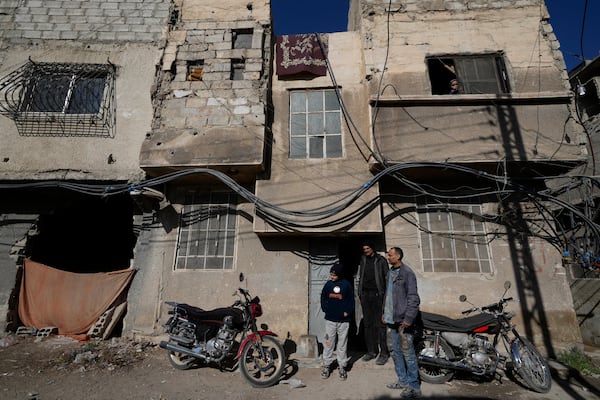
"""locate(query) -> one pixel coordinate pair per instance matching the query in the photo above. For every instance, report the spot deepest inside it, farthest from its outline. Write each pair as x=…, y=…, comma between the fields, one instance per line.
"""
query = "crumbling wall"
x=210, y=103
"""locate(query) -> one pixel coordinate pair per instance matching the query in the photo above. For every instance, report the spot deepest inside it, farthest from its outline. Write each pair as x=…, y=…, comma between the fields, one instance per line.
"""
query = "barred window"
x=60, y=99
x=315, y=124
x=452, y=240
x=207, y=231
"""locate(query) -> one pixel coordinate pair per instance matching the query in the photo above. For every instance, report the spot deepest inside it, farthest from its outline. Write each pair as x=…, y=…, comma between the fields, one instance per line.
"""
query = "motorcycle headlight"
x=255, y=310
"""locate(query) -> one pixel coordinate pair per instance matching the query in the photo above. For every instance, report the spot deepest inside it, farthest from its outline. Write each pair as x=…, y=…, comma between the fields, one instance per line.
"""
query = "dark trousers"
x=375, y=330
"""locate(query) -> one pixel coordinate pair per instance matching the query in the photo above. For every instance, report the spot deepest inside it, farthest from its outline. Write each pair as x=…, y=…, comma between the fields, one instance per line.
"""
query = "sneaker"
x=382, y=359
x=395, y=385
x=410, y=393
x=368, y=357
x=325, y=372
x=343, y=373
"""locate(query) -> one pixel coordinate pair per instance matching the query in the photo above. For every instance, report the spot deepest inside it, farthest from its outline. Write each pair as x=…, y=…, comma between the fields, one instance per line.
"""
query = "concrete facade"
x=60, y=227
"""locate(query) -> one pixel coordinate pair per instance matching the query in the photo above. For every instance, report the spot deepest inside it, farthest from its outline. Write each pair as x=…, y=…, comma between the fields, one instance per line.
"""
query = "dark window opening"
x=69, y=93
x=174, y=17
x=241, y=38
x=86, y=234
x=195, y=70
x=482, y=74
x=237, y=69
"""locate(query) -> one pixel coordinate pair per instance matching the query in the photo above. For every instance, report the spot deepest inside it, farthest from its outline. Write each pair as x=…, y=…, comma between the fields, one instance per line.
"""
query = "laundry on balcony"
x=303, y=53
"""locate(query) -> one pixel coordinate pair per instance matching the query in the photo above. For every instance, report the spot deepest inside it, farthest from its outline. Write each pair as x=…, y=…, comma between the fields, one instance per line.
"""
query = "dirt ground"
x=59, y=368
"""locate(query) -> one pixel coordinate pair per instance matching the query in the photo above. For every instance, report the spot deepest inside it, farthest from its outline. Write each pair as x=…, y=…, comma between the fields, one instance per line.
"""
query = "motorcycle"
x=227, y=337
x=449, y=345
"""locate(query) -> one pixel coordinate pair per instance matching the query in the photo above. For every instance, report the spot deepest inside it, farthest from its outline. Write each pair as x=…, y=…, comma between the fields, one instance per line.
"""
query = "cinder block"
x=47, y=331
x=307, y=347
x=26, y=330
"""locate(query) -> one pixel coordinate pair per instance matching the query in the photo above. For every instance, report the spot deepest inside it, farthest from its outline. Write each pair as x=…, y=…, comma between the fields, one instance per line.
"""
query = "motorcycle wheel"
x=180, y=361
x=262, y=363
x=532, y=368
x=432, y=373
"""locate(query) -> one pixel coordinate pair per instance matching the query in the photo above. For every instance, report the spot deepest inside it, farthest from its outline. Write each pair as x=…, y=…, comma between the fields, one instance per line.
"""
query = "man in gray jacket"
x=372, y=281
x=400, y=312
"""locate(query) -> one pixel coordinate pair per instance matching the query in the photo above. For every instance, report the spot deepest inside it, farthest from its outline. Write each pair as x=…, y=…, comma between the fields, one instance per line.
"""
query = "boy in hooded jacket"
x=337, y=302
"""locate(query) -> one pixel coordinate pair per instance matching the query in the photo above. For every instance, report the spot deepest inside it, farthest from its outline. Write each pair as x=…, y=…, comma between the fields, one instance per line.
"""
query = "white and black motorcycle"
x=226, y=337
x=470, y=344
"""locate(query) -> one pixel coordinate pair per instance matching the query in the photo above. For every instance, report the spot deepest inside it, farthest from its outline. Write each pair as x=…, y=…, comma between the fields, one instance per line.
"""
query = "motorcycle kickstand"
x=498, y=376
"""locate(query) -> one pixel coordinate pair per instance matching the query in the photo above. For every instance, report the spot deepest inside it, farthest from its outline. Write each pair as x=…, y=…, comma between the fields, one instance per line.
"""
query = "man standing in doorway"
x=372, y=281
x=400, y=312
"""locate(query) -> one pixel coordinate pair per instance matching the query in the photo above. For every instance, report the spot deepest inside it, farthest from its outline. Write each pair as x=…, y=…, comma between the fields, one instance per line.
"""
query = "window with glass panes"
x=207, y=231
x=452, y=240
x=315, y=124
x=476, y=74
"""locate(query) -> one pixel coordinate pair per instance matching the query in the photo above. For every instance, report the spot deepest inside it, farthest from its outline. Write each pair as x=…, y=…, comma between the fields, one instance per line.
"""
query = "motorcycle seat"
x=465, y=325
x=216, y=315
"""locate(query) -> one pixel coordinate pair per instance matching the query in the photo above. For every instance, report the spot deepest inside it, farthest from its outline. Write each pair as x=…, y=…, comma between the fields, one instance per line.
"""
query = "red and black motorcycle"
x=225, y=337
x=449, y=345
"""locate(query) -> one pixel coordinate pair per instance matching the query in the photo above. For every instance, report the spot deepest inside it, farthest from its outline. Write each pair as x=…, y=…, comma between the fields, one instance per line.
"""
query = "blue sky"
x=566, y=16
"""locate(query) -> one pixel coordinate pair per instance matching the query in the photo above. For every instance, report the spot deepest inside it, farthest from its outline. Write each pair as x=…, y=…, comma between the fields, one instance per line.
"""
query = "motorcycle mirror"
x=507, y=285
x=462, y=298
x=241, y=277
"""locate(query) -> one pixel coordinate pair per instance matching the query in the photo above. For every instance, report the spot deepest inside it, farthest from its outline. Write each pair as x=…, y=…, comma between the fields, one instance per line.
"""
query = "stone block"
x=307, y=347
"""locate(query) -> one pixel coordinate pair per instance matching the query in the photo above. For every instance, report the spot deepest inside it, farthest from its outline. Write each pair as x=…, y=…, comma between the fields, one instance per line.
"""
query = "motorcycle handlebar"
x=489, y=306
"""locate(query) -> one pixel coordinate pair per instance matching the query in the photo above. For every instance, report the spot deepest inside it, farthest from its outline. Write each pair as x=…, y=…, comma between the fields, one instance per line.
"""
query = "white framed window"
x=207, y=232
x=453, y=239
x=315, y=124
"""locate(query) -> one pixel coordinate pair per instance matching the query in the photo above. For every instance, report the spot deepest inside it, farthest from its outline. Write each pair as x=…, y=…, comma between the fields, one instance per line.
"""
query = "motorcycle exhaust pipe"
x=179, y=349
x=440, y=362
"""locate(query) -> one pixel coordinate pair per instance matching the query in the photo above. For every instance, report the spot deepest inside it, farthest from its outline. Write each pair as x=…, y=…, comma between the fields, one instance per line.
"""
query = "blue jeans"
x=405, y=359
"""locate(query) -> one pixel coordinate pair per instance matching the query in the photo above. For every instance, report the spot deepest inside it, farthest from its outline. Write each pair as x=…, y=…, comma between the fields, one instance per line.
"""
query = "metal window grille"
x=57, y=99
x=452, y=240
x=315, y=124
x=206, y=238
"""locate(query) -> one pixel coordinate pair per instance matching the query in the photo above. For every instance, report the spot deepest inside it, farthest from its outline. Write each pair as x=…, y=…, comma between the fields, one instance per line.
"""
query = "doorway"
x=323, y=253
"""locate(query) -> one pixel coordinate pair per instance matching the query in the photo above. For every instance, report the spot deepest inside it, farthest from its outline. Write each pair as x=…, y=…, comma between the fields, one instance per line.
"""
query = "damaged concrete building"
x=76, y=83
x=276, y=156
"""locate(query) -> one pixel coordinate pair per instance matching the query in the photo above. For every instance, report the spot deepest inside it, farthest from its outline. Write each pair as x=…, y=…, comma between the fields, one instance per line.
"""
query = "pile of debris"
x=65, y=353
x=102, y=354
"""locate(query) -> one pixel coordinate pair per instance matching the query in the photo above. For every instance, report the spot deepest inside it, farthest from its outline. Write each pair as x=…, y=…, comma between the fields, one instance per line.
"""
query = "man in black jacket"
x=372, y=281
